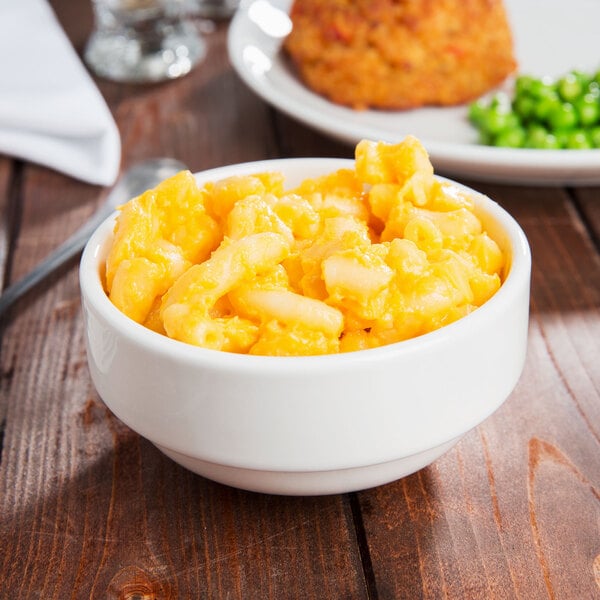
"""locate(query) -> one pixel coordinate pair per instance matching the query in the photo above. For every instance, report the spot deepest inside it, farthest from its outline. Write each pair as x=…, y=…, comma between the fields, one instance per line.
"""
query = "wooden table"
x=88, y=509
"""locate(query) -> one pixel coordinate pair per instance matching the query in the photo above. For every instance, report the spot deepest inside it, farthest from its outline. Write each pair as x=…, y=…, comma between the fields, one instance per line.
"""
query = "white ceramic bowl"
x=317, y=424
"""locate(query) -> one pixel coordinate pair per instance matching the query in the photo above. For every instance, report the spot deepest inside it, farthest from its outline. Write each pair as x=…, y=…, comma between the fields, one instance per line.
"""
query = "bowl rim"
x=93, y=291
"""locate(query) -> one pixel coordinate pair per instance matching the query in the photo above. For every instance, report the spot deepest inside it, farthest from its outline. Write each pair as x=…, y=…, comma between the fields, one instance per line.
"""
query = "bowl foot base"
x=310, y=483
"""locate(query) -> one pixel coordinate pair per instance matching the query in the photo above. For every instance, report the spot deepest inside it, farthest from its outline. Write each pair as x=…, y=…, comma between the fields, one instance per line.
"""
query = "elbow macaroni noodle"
x=347, y=261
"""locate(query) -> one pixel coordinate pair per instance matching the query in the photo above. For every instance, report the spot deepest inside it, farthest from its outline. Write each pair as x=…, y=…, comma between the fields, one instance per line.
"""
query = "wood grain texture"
x=588, y=202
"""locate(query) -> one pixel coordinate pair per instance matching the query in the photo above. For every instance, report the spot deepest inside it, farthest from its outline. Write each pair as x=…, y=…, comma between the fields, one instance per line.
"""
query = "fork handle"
x=67, y=250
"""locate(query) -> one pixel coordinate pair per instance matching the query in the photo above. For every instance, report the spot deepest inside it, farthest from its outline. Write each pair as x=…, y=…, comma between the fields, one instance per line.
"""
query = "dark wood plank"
x=7, y=231
x=588, y=201
x=297, y=140
x=511, y=511
x=87, y=508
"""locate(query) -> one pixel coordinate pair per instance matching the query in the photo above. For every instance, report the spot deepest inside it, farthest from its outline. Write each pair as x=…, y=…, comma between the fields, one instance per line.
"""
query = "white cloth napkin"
x=51, y=111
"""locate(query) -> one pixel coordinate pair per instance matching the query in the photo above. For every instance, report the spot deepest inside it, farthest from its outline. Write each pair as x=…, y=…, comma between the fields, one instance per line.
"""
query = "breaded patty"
x=400, y=54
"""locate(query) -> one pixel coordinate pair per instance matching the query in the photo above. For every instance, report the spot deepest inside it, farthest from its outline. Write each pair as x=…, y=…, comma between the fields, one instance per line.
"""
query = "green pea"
x=588, y=109
x=497, y=119
x=562, y=135
x=542, y=88
x=563, y=117
x=538, y=137
x=544, y=106
x=578, y=140
x=513, y=137
x=536, y=129
x=594, y=134
x=570, y=87
x=542, y=113
x=477, y=112
x=523, y=85
x=512, y=120
x=524, y=106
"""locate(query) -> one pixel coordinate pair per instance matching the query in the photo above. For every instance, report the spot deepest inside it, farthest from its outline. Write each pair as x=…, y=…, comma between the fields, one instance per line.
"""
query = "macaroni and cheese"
x=351, y=260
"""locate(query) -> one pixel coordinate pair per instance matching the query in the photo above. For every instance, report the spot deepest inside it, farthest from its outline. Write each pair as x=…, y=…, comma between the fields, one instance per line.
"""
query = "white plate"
x=549, y=40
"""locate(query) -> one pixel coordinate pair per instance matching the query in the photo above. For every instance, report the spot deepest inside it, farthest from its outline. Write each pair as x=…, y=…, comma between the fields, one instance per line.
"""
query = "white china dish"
x=317, y=424
x=259, y=27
